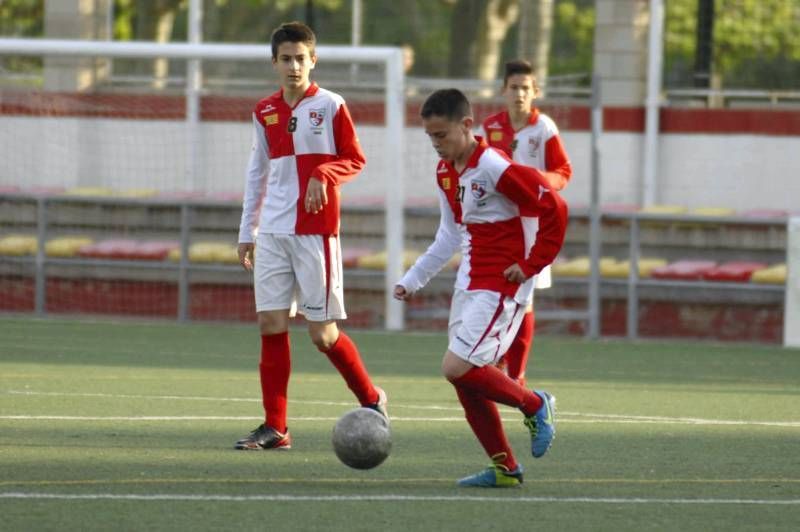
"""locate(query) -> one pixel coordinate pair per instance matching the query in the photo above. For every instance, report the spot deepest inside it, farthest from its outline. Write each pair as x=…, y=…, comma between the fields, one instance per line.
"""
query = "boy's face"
x=519, y=92
x=449, y=138
x=293, y=65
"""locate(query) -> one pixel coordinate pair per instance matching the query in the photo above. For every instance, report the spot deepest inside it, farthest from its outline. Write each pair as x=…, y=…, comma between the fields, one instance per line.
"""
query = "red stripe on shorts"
x=326, y=241
x=491, y=324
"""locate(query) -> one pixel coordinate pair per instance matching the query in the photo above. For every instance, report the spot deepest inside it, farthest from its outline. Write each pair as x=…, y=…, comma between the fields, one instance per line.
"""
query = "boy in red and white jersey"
x=531, y=138
x=304, y=147
x=482, y=195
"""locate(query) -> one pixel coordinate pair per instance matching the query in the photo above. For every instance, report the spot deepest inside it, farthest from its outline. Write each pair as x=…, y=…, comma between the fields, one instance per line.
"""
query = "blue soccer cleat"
x=542, y=425
x=495, y=476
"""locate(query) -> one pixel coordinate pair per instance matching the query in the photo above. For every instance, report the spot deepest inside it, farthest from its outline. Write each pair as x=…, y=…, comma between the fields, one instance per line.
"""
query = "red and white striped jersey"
x=315, y=138
x=537, y=144
x=480, y=214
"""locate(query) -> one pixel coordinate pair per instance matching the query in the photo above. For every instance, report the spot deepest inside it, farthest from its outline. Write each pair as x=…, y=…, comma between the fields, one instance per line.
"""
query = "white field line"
x=565, y=417
x=386, y=497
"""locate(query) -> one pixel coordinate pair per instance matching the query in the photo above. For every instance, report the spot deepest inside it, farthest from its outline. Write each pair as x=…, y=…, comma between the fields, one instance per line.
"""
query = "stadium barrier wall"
x=695, y=169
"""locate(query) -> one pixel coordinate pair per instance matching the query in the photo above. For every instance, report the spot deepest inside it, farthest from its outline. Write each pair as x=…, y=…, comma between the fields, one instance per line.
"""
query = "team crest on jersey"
x=316, y=117
x=271, y=120
x=446, y=183
x=478, y=188
x=496, y=136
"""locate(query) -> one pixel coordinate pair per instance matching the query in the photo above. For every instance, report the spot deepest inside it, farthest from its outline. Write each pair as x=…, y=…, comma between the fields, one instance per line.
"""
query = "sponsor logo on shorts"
x=308, y=307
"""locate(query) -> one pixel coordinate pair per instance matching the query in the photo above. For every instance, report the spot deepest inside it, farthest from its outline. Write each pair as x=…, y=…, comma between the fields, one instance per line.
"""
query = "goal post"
x=389, y=145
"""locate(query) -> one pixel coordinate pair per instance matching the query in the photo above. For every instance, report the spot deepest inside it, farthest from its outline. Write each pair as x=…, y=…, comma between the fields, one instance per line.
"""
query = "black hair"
x=448, y=103
x=518, y=66
x=293, y=32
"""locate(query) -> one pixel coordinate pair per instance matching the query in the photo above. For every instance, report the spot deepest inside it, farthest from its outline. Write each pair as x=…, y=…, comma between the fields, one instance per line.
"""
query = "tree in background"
x=756, y=43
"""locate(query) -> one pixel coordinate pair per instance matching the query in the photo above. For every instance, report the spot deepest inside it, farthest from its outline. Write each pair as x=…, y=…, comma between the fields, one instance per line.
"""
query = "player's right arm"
x=255, y=188
x=557, y=169
x=445, y=244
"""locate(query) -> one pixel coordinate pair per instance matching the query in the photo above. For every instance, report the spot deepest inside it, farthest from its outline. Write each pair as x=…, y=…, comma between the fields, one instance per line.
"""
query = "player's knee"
x=323, y=336
x=272, y=323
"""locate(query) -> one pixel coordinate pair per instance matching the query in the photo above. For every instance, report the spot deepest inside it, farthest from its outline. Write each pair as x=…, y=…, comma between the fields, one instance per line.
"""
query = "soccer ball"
x=362, y=438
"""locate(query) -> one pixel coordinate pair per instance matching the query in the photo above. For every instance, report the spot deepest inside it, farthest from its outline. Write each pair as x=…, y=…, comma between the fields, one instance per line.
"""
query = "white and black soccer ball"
x=362, y=438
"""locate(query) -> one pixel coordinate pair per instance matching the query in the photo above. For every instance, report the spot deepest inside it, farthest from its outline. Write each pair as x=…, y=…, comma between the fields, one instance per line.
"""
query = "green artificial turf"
x=130, y=426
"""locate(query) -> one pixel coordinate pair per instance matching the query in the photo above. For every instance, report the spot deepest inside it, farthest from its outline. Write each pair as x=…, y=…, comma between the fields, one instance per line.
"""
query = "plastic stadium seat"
x=454, y=262
x=684, y=269
x=712, y=211
x=621, y=269
x=663, y=209
x=764, y=213
x=735, y=271
x=775, y=274
x=109, y=249
x=350, y=256
x=137, y=193
x=616, y=208
x=18, y=245
x=89, y=191
x=153, y=250
x=377, y=261
x=580, y=266
x=225, y=196
x=66, y=246
x=207, y=252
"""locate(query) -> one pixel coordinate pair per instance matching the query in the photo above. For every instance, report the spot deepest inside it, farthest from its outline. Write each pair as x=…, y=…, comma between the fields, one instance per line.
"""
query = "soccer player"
x=531, y=138
x=481, y=196
x=304, y=147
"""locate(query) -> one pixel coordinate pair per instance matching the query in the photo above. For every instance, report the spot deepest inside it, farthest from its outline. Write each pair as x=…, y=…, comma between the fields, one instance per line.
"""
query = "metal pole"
x=791, y=302
x=594, y=212
x=632, y=325
x=654, y=59
x=40, y=295
x=193, y=86
x=355, y=35
x=395, y=165
x=183, y=269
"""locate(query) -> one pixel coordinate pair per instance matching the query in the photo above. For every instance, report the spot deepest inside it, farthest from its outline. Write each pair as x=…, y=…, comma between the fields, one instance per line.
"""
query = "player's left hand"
x=515, y=274
x=316, y=196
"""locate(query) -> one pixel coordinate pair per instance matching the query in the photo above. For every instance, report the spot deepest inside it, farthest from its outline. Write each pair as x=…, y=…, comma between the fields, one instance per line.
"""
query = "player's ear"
x=313, y=60
x=467, y=122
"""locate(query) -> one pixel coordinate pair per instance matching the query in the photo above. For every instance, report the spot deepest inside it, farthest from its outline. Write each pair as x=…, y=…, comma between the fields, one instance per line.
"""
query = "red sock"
x=493, y=384
x=517, y=355
x=276, y=364
x=344, y=356
x=484, y=419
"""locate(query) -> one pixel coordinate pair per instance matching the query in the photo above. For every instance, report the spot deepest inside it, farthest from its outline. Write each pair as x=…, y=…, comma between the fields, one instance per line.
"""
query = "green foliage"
x=21, y=18
x=756, y=42
x=573, y=36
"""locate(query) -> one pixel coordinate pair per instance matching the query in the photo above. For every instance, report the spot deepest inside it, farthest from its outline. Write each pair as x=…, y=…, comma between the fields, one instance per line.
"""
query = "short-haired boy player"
x=482, y=194
x=304, y=147
x=529, y=137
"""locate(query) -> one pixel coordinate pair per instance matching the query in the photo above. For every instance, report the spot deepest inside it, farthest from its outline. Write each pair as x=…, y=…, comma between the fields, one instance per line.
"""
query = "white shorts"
x=482, y=325
x=305, y=270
